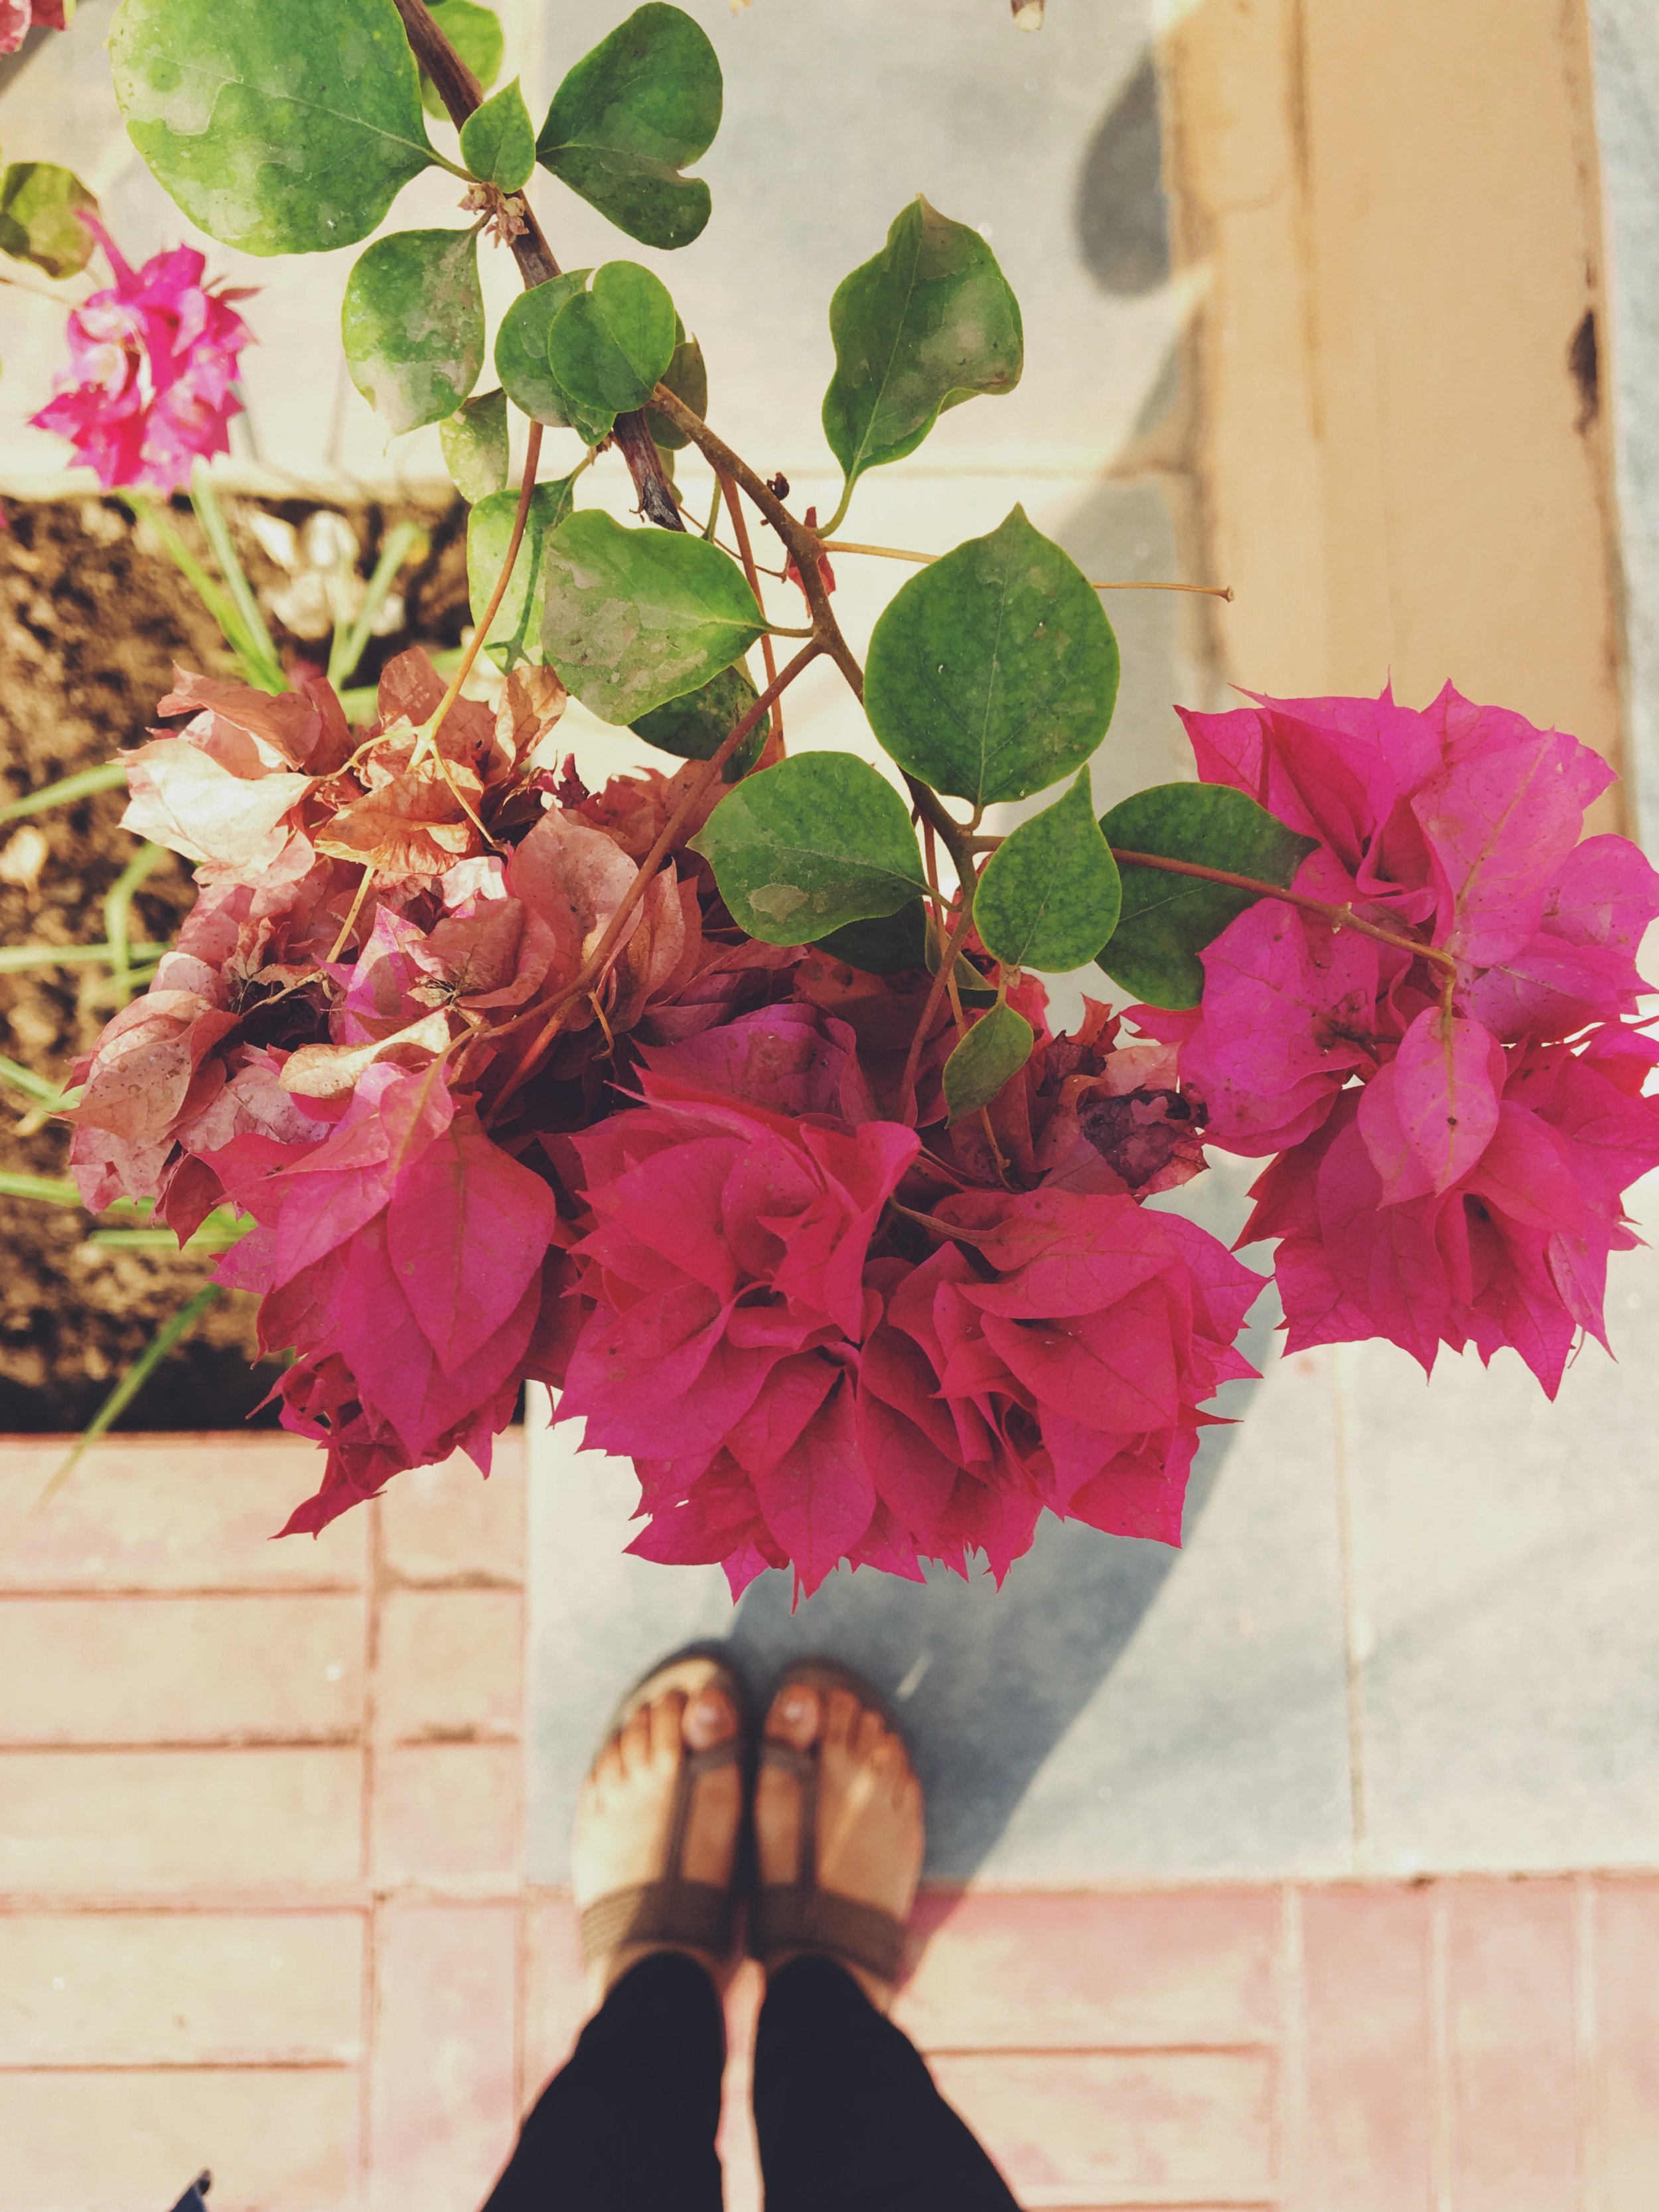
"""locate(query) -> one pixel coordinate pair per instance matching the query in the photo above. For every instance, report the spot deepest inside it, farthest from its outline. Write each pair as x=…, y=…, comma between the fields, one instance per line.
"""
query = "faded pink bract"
x=19, y=17
x=153, y=362
x=1448, y=1172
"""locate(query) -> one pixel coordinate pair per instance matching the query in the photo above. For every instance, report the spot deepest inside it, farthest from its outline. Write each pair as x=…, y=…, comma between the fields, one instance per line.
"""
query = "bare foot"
x=626, y=1805
x=870, y=1808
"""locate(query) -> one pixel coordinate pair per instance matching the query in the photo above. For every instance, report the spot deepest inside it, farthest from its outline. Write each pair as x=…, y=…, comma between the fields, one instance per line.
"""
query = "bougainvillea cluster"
x=692, y=1191
x=150, y=386
x=1453, y=1134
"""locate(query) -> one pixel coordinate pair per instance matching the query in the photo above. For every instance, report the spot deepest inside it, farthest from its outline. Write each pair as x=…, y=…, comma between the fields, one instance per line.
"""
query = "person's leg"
x=629, y=2123
x=846, y=2111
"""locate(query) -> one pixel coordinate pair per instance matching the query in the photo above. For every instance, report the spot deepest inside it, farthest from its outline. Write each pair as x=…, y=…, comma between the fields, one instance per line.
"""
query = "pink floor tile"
x=1624, y=1976
x=448, y=1664
x=448, y=1812
x=447, y=1524
x=1513, y=2122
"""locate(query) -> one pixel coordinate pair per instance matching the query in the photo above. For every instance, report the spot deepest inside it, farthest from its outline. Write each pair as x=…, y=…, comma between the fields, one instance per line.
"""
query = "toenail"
x=794, y=1706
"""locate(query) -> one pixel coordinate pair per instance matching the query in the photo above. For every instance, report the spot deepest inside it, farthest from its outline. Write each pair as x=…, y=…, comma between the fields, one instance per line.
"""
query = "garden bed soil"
x=93, y=618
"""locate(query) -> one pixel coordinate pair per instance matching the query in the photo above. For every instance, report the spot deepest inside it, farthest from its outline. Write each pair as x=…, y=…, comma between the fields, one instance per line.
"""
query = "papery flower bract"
x=19, y=17
x=152, y=360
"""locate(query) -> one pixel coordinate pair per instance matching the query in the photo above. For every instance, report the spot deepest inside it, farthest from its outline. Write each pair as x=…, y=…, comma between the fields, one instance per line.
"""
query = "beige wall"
x=1390, y=210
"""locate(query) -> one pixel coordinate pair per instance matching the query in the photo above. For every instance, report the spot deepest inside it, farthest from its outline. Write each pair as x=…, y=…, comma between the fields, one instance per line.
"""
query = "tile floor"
x=261, y=1864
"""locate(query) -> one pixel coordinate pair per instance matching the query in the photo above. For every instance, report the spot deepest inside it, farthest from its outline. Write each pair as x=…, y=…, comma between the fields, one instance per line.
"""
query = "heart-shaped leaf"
x=475, y=447
x=609, y=345
x=1166, y=920
x=885, y=946
x=806, y=847
x=498, y=140
x=627, y=120
x=516, y=633
x=1048, y=896
x=477, y=36
x=926, y=325
x=997, y=1047
x=413, y=325
x=637, y=618
x=687, y=378
x=522, y=365
x=279, y=130
x=699, y=723
x=994, y=672
x=38, y=217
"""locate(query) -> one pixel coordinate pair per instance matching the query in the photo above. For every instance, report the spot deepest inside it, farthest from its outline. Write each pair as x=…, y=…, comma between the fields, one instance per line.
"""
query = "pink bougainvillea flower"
x=150, y=385
x=19, y=17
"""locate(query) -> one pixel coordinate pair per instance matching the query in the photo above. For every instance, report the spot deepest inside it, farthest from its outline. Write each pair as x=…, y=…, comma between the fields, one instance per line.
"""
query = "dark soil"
x=91, y=622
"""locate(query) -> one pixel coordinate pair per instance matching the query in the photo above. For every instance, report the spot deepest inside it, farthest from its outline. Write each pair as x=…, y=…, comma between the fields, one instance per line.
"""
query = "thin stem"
x=349, y=923
x=594, y=966
x=1339, y=917
x=347, y=650
x=460, y=92
x=129, y=1385
x=926, y=560
x=260, y=647
x=16, y=956
x=728, y=492
x=941, y=981
x=109, y=777
x=118, y=906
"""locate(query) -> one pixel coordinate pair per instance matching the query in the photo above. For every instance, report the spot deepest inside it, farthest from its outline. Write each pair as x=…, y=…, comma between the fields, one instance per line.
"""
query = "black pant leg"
x=629, y=2123
x=847, y=2114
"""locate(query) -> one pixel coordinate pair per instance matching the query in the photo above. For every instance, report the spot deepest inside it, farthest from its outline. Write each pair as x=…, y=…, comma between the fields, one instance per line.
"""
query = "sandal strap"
x=670, y=1910
x=799, y=1915
x=860, y=1935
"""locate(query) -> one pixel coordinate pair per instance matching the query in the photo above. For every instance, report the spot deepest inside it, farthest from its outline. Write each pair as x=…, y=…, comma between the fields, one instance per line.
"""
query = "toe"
x=608, y=1767
x=667, y=1714
x=870, y=1736
x=841, y=1719
x=709, y=1718
x=795, y=1716
x=633, y=1742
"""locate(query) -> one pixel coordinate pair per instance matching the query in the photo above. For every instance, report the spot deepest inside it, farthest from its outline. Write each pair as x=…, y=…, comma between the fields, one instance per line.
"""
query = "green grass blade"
x=207, y=588
x=108, y=778
x=259, y=651
x=53, y=1190
x=118, y=908
x=217, y=1233
x=347, y=650
x=12, y=957
x=16, y=1077
x=171, y=1333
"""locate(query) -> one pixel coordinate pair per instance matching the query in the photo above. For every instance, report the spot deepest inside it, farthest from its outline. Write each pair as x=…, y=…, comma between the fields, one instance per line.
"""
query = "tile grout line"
x=1585, y=2053
x=1352, y=1656
x=1442, y=2125
x=372, y=1917
x=1291, y=2098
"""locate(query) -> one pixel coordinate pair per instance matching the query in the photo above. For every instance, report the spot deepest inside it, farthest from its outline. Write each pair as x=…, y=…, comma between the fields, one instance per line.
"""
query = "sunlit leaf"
x=928, y=323
x=413, y=325
x=516, y=633
x=806, y=847
x=1166, y=920
x=477, y=36
x=630, y=116
x=637, y=618
x=608, y=345
x=498, y=140
x=475, y=446
x=279, y=130
x=1048, y=896
x=38, y=217
x=993, y=673
x=522, y=365
x=997, y=1047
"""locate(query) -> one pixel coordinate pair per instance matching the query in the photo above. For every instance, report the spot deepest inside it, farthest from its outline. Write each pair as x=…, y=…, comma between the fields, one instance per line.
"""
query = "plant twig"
x=728, y=492
x=460, y=92
x=941, y=983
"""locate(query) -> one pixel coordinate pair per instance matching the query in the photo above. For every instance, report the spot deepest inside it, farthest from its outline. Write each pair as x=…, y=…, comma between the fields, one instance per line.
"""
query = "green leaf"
x=474, y=440
x=498, y=140
x=475, y=34
x=627, y=120
x=1167, y=920
x=636, y=617
x=994, y=672
x=997, y=1047
x=413, y=325
x=885, y=946
x=1049, y=896
x=279, y=130
x=802, y=848
x=38, y=223
x=926, y=325
x=516, y=633
x=522, y=365
x=699, y=723
x=609, y=345
x=687, y=378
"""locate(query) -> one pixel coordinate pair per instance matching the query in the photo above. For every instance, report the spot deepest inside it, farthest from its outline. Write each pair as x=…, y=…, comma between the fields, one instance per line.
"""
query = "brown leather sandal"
x=671, y=1910
x=798, y=1916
